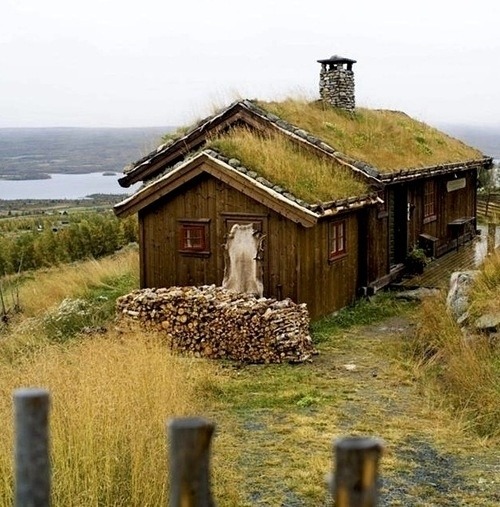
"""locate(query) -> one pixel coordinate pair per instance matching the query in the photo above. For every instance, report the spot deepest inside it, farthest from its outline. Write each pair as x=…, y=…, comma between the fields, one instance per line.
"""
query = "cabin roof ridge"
x=294, y=131
x=174, y=144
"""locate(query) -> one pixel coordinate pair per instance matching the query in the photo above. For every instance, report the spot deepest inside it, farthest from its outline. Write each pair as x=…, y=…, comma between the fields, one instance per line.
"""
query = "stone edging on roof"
x=319, y=207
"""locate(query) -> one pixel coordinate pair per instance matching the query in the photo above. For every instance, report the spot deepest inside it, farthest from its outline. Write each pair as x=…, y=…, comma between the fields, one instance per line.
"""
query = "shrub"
x=70, y=318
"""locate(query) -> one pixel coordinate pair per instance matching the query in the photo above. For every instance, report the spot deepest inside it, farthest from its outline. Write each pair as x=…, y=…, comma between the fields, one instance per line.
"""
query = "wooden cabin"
x=341, y=195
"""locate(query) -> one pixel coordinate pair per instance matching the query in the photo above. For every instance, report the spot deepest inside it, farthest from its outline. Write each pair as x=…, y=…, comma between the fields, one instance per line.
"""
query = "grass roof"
x=386, y=140
x=278, y=159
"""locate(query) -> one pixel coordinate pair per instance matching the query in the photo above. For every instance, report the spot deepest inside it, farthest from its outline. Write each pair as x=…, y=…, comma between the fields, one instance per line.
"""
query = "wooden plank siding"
x=295, y=257
x=327, y=286
x=208, y=197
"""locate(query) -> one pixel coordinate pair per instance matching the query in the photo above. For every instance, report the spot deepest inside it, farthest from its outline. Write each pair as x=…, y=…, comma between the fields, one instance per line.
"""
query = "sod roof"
x=305, y=174
x=386, y=140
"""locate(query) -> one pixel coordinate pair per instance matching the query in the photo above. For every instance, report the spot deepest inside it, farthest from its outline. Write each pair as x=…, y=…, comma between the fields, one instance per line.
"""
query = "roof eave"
x=418, y=173
x=156, y=160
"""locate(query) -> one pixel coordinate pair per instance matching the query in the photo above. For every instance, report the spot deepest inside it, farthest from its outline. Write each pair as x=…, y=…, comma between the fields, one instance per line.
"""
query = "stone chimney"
x=336, y=82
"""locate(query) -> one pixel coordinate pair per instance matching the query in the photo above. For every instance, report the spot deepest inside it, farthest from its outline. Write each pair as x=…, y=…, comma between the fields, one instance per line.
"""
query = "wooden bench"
x=460, y=227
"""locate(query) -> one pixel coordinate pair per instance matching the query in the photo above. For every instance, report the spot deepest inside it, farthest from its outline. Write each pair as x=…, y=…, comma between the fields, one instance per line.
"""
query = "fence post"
x=356, y=471
x=189, y=453
x=32, y=465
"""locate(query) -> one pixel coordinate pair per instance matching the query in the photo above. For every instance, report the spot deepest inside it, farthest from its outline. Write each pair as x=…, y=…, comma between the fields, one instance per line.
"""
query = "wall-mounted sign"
x=453, y=185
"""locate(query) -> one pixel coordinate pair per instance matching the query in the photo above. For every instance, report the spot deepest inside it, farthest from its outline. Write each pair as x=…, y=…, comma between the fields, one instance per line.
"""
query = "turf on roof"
x=386, y=140
x=288, y=165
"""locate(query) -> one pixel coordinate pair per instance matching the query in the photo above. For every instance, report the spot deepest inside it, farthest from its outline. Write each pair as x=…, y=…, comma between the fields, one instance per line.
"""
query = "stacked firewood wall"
x=212, y=322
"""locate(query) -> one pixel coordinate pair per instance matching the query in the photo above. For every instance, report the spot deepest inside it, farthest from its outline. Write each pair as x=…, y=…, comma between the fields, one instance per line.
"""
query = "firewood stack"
x=212, y=322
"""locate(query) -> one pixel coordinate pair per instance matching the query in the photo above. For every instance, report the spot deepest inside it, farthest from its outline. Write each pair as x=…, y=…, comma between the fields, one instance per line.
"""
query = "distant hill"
x=486, y=139
x=33, y=153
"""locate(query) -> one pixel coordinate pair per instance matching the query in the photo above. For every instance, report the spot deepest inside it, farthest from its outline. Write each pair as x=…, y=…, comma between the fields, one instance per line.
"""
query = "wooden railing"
x=352, y=484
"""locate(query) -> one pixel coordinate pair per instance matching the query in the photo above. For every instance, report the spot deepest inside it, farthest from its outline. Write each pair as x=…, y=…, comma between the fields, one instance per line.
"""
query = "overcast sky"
x=149, y=62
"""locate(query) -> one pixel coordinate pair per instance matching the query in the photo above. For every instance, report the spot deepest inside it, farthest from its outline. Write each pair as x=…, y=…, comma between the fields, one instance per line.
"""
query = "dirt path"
x=360, y=384
x=434, y=461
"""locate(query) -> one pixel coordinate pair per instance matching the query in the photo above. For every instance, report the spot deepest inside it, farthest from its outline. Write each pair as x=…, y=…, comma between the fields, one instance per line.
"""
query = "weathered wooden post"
x=32, y=464
x=356, y=471
x=189, y=453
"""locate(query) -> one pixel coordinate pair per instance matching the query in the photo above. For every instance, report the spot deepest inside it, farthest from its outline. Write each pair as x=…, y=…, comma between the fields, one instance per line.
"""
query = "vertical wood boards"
x=295, y=258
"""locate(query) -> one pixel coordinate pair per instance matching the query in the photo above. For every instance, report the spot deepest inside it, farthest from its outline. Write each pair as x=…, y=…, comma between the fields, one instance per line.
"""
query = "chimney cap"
x=337, y=59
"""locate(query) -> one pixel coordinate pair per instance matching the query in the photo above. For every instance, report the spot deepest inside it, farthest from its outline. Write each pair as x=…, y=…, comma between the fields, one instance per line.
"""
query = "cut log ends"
x=213, y=322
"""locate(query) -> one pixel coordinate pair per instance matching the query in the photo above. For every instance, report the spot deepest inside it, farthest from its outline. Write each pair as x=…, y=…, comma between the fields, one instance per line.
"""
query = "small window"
x=194, y=237
x=337, y=240
x=429, y=201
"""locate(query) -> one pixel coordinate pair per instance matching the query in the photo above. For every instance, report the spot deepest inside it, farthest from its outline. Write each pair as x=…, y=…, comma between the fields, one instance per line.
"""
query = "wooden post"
x=355, y=483
x=32, y=465
x=189, y=453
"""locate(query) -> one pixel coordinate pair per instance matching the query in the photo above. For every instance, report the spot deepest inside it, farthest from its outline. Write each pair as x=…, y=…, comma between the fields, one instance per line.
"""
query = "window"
x=429, y=201
x=337, y=240
x=194, y=237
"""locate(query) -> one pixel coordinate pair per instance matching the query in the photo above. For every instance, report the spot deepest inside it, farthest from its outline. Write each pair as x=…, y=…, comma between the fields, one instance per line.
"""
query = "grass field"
x=113, y=391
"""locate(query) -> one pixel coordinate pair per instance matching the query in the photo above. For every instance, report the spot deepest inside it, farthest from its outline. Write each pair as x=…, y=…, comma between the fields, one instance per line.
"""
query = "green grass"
x=362, y=312
x=275, y=423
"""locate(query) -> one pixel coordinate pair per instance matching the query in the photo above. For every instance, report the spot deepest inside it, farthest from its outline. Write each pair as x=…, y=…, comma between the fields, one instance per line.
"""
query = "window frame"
x=201, y=225
x=337, y=244
x=429, y=201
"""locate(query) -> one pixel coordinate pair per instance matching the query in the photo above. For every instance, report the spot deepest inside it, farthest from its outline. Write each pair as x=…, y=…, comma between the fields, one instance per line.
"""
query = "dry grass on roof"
x=386, y=140
x=282, y=162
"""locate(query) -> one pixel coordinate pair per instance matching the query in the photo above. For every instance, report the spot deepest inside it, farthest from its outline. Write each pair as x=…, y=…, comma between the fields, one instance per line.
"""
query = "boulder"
x=457, y=301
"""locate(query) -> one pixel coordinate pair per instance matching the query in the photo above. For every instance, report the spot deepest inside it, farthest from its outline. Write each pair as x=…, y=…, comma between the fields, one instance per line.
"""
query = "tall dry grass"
x=45, y=288
x=463, y=370
x=276, y=158
x=388, y=140
x=111, y=397
x=111, y=394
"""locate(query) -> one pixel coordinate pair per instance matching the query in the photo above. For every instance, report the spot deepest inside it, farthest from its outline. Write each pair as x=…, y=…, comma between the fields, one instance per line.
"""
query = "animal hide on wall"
x=243, y=260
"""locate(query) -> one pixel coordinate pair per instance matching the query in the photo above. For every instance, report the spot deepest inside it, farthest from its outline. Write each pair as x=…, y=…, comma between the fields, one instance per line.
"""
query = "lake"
x=63, y=186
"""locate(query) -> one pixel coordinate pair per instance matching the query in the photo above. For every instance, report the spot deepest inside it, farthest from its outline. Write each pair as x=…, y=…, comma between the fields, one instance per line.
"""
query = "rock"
x=488, y=322
x=457, y=301
x=417, y=294
x=234, y=162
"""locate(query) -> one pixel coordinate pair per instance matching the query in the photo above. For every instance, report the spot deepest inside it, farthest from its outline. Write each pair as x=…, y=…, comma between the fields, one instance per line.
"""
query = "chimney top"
x=337, y=59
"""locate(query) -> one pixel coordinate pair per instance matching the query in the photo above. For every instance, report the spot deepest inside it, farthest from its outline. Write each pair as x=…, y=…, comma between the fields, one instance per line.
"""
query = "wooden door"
x=398, y=224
